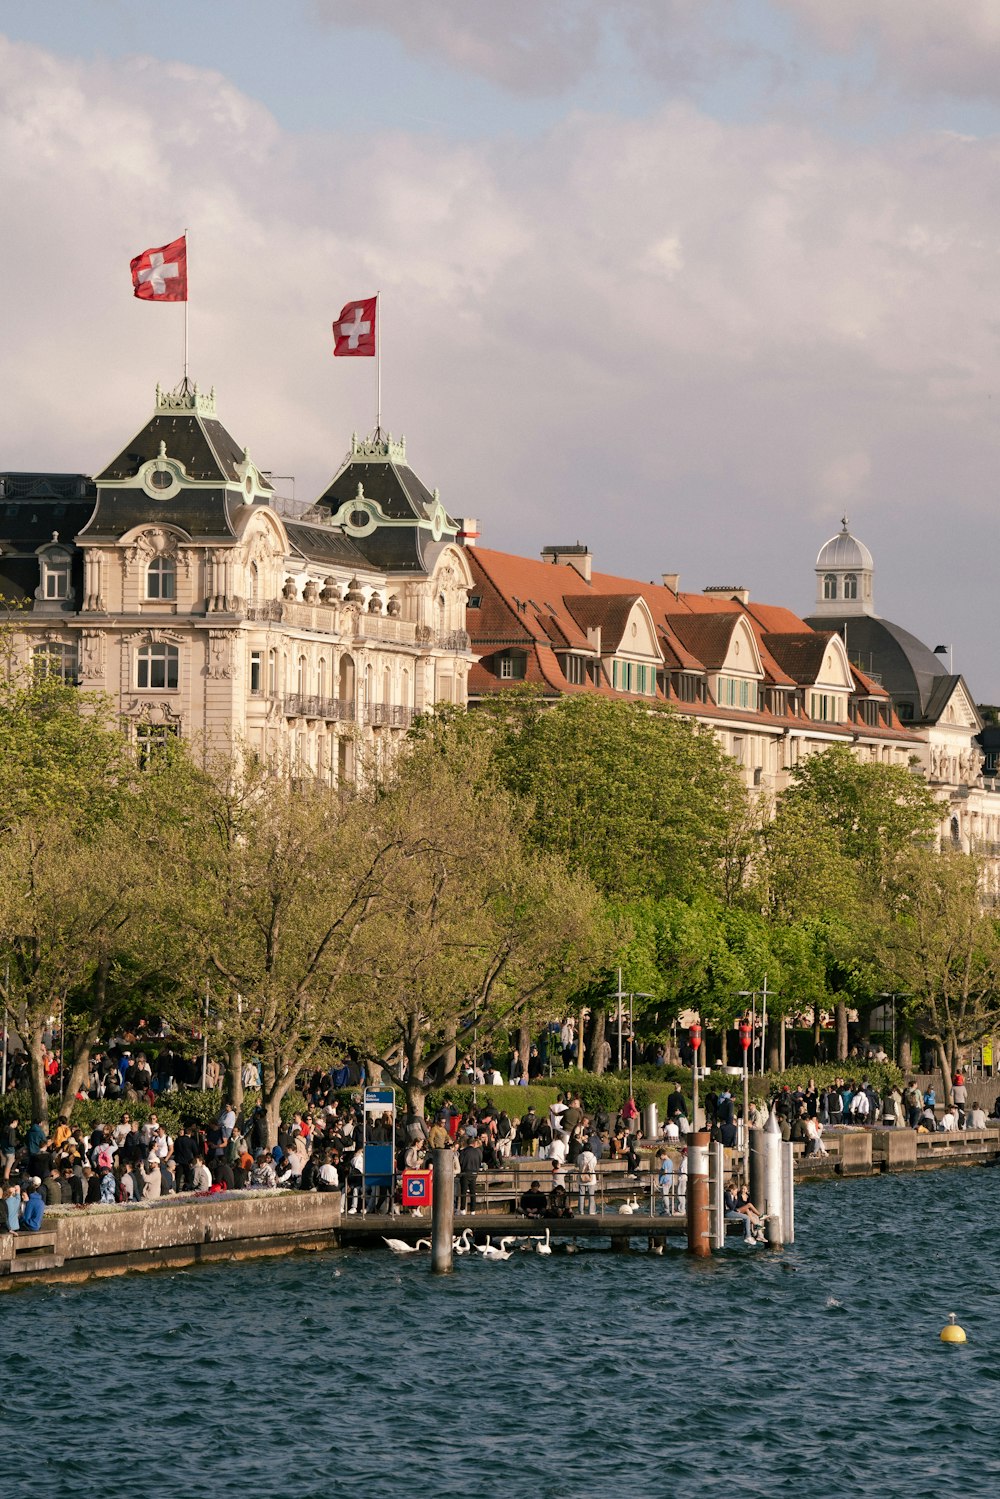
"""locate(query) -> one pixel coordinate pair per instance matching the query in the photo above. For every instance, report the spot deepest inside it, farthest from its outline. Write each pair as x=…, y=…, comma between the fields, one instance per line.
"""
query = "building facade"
x=172, y=583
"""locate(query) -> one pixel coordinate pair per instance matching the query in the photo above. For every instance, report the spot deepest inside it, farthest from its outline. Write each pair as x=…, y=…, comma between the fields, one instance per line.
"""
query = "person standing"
x=470, y=1160
x=10, y=1146
x=586, y=1166
x=665, y=1182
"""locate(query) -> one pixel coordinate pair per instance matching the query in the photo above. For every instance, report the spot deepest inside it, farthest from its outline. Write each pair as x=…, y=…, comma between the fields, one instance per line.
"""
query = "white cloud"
x=688, y=343
x=948, y=46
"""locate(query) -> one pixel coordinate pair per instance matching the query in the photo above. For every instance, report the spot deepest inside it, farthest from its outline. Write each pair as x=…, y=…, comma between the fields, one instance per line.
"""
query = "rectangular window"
x=152, y=740
x=272, y=673
x=825, y=707
x=256, y=672
x=56, y=582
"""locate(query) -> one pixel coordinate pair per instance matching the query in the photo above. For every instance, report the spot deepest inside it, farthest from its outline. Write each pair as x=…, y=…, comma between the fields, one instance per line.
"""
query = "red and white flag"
x=354, y=330
x=162, y=275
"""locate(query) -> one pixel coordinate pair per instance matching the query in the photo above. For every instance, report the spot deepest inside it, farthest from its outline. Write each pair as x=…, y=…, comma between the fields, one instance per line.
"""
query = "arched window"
x=55, y=575
x=345, y=680
x=254, y=583
x=272, y=673
x=161, y=578
x=850, y=585
x=368, y=686
x=156, y=666
x=830, y=586
x=300, y=677
x=321, y=677
x=55, y=660
x=387, y=686
x=404, y=688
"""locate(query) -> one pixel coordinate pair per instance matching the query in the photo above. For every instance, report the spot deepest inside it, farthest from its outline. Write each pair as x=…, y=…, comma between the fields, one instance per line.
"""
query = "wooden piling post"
x=443, y=1213
x=698, y=1228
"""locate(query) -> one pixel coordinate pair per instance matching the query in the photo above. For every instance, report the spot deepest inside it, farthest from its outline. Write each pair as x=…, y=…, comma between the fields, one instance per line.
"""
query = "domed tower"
x=844, y=569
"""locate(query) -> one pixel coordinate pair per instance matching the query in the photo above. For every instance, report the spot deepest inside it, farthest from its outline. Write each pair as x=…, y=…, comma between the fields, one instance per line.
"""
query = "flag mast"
x=184, y=385
x=378, y=366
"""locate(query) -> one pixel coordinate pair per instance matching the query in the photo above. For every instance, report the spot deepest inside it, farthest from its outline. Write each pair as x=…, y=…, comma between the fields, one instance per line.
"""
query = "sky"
x=685, y=280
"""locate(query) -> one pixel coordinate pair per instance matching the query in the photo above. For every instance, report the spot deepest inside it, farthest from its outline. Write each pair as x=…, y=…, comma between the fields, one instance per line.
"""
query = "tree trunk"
x=944, y=1062
x=272, y=1101
x=865, y=1021
x=595, y=1040
x=817, y=1031
x=36, y=1076
x=524, y=1044
x=80, y=1068
x=841, y=1013
x=905, y=1049
x=773, y=1044
x=232, y=1085
x=724, y=1046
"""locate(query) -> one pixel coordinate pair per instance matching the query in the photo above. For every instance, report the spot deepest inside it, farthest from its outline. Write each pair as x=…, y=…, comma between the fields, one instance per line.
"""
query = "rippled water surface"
x=817, y=1371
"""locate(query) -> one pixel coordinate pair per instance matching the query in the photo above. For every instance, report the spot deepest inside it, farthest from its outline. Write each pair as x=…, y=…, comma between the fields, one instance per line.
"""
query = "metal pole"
x=773, y=1193
x=3, y=1078
x=756, y=1182
x=717, y=1194
x=378, y=361
x=62, y=1040
x=204, y=1041
x=443, y=1214
x=788, y=1190
x=763, y=1027
x=620, y=998
x=631, y=1041
x=745, y=1142
x=185, y=385
x=753, y=1031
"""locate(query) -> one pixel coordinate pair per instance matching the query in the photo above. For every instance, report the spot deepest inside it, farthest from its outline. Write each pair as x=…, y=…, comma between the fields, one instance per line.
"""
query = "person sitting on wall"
x=737, y=1201
x=32, y=1206
x=534, y=1202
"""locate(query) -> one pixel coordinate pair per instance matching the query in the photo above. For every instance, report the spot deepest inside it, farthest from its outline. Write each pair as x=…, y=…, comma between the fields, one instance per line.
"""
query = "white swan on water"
x=543, y=1246
x=462, y=1243
x=400, y=1246
x=632, y=1206
x=490, y=1251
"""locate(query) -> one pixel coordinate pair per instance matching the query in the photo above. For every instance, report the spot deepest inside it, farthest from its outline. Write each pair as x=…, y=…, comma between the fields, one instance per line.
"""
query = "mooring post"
x=443, y=1214
x=717, y=1193
x=773, y=1194
x=788, y=1190
x=756, y=1168
x=698, y=1229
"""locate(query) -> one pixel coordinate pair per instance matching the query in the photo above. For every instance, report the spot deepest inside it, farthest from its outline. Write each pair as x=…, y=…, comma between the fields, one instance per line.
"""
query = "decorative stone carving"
x=154, y=712
x=354, y=594
x=289, y=591
x=92, y=657
x=310, y=593
x=375, y=604
x=392, y=607
x=221, y=653
x=331, y=593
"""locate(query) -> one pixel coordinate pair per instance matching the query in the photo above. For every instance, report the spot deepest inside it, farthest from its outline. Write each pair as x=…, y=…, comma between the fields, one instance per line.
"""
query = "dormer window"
x=161, y=578
x=55, y=579
x=830, y=586
x=511, y=666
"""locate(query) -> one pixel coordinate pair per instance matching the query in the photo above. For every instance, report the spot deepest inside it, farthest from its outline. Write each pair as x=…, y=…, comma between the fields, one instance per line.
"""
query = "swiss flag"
x=354, y=330
x=162, y=275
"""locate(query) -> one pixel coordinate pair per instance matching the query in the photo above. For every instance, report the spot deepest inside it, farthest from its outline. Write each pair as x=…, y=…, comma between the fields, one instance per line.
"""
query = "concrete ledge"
x=855, y=1153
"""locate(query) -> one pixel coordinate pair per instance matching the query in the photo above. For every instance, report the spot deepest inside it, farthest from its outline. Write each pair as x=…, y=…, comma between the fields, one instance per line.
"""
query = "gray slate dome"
x=844, y=551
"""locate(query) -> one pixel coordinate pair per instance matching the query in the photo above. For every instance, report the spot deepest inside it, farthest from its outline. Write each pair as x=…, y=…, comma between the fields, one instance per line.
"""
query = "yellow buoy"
x=952, y=1333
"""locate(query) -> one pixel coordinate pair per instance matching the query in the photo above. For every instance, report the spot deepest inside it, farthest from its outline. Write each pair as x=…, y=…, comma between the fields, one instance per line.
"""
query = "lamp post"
x=745, y=1035
x=751, y=995
x=694, y=1037
x=892, y=996
x=631, y=1032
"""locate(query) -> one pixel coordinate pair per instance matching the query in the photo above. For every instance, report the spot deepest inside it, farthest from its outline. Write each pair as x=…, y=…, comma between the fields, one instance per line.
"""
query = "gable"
x=742, y=655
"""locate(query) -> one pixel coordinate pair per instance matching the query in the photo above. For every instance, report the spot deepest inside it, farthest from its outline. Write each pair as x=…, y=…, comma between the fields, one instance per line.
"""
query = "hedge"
x=180, y=1106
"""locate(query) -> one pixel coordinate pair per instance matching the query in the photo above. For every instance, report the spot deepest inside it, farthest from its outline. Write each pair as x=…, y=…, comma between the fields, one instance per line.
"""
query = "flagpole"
x=185, y=385
x=378, y=365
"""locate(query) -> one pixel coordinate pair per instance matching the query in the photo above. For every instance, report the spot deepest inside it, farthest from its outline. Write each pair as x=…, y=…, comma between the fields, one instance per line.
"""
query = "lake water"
x=811, y=1372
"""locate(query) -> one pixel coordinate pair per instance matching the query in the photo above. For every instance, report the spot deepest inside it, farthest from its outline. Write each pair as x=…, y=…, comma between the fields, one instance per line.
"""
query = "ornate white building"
x=173, y=584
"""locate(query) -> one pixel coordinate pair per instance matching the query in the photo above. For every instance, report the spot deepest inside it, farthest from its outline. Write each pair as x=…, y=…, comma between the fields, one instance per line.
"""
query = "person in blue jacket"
x=32, y=1206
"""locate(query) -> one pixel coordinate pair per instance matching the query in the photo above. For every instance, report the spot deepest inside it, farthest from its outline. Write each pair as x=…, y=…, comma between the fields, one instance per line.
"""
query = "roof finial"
x=843, y=522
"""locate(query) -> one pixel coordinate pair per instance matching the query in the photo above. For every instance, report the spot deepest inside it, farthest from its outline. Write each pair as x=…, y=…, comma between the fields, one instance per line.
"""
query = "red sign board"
x=418, y=1189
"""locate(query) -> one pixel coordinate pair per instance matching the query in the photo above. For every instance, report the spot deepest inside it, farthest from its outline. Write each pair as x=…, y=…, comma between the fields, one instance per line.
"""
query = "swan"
x=542, y=1246
x=491, y=1251
x=462, y=1243
x=631, y=1206
x=399, y=1246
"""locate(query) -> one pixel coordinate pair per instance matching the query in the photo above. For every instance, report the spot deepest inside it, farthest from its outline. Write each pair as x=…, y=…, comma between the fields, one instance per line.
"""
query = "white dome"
x=844, y=551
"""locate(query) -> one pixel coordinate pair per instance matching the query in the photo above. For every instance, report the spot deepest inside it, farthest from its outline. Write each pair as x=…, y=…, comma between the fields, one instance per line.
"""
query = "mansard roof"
x=215, y=476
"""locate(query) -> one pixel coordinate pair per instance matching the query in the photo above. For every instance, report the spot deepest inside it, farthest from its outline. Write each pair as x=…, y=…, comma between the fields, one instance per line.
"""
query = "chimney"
x=578, y=557
x=738, y=595
x=671, y=581
x=468, y=531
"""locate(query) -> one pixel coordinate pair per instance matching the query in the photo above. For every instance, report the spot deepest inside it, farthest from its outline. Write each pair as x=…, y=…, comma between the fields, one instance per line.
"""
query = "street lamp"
x=891, y=995
x=694, y=1037
x=751, y=994
x=745, y=1037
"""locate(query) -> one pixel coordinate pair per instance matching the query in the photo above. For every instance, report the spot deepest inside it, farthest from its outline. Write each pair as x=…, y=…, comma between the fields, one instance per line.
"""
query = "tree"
x=641, y=800
x=268, y=889
x=66, y=899
x=475, y=924
x=943, y=950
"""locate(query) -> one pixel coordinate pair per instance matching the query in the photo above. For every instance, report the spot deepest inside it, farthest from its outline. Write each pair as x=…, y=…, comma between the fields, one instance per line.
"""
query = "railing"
x=388, y=715
x=385, y=627
x=333, y=709
x=271, y=610
x=453, y=640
